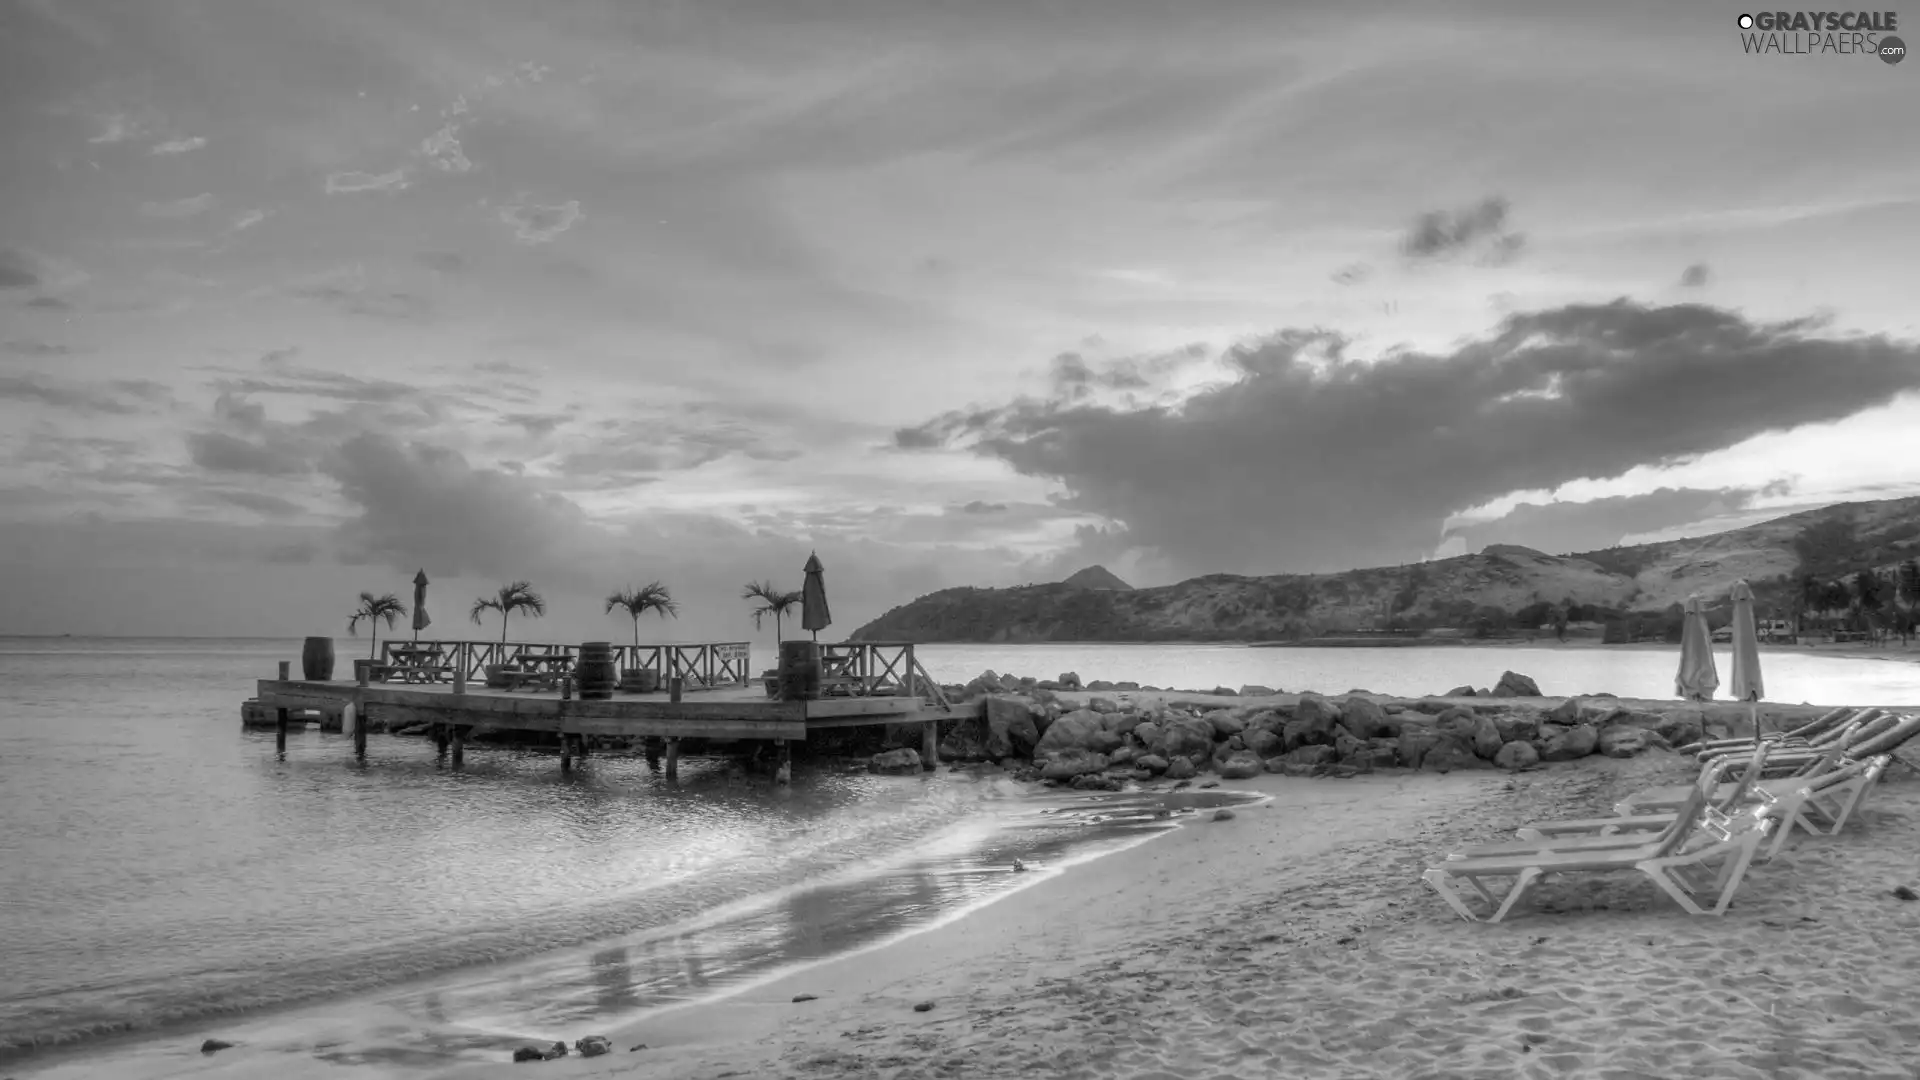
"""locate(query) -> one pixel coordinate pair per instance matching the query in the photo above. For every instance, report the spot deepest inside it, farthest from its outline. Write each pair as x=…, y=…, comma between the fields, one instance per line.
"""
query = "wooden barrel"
x=316, y=659
x=799, y=670
x=595, y=670
x=640, y=680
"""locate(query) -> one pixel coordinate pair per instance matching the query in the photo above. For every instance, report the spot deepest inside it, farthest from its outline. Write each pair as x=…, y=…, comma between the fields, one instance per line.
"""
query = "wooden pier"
x=867, y=683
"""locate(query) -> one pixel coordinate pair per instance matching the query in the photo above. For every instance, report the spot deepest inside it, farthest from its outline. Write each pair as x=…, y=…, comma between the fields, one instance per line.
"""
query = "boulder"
x=1311, y=755
x=1625, y=740
x=1681, y=726
x=1153, y=763
x=1010, y=728
x=1240, y=765
x=1103, y=741
x=902, y=762
x=1122, y=756
x=1125, y=685
x=1559, y=743
x=1043, y=719
x=1071, y=762
x=1514, y=684
x=1146, y=732
x=1318, y=712
x=1069, y=680
x=1345, y=745
x=593, y=1045
x=1567, y=713
x=1224, y=691
x=1188, y=738
x=1099, y=684
x=1269, y=718
x=1479, y=733
x=1459, y=691
x=1256, y=690
x=1517, y=726
x=1517, y=755
x=967, y=741
x=1365, y=718
x=1225, y=724
x=1453, y=751
x=1096, y=782
x=1074, y=731
x=1263, y=742
x=1181, y=769
x=1414, y=742
x=1432, y=706
x=1121, y=723
x=1381, y=753
x=1103, y=704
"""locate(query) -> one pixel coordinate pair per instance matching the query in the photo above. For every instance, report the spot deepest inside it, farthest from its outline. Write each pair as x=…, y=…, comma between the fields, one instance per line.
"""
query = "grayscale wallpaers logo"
x=1806, y=33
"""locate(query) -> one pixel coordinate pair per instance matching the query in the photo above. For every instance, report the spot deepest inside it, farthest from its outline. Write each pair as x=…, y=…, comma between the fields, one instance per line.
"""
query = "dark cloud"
x=537, y=424
x=289, y=378
x=447, y=262
x=979, y=507
x=1558, y=528
x=298, y=554
x=272, y=506
x=29, y=347
x=218, y=451
x=619, y=453
x=391, y=304
x=110, y=397
x=1695, y=276
x=1075, y=378
x=1309, y=460
x=15, y=271
x=49, y=303
x=1440, y=233
x=1352, y=274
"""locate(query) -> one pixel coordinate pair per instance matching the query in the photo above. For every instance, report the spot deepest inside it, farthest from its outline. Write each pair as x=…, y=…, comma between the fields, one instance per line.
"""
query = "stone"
x=1103, y=704
x=1120, y=723
x=1181, y=768
x=1514, y=684
x=1256, y=690
x=1224, y=723
x=1010, y=729
x=1146, y=732
x=1105, y=742
x=1190, y=738
x=1224, y=691
x=214, y=1046
x=1416, y=739
x=1477, y=732
x=1459, y=691
x=1154, y=764
x=1262, y=742
x=1515, y=756
x=1567, y=713
x=554, y=1052
x=1317, y=711
x=1223, y=814
x=1345, y=744
x=1311, y=755
x=593, y=1046
x=1681, y=726
x=529, y=1053
x=925, y=1006
x=1122, y=756
x=1567, y=743
x=901, y=762
x=966, y=741
x=1624, y=741
x=1382, y=753
x=1240, y=765
x=1099, y=685
x=1125, y=685
x=1452, y=751
x=798, y=998
x=1069, y=763
x=1095, y=782
x=1517, y=726
x=1365, y=718
x=1074, y=731
x=1069, y=680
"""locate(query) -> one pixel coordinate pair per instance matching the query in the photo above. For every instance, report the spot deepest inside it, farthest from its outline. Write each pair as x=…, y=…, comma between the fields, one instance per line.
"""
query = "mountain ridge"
x=1492, y=588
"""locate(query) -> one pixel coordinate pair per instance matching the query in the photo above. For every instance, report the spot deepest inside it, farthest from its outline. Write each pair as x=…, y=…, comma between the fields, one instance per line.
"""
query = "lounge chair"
x=1700, y=866
x=1884, y=733
x=1826, y=722
x=1707, y=795
x=1837, y=732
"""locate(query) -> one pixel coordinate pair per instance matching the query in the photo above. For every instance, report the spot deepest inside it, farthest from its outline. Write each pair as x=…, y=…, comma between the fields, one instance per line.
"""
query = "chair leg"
x=1527, y=879
x=1442, y=883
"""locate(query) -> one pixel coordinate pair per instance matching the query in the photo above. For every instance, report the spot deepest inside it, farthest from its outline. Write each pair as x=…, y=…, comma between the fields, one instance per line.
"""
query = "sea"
x=166, y=874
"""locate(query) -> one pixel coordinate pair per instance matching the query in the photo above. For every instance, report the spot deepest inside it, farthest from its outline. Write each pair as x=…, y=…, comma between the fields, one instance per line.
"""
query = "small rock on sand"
x=1905, y=893
x=925, y=1006
x=1223, y=815
x=212, y=1045
x=797, y=998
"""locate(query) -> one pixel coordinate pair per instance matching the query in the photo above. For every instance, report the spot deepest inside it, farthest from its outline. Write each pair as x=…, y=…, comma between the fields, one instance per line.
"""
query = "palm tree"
x=373, y=609
x=772, y=602
x=518, y=596
x=650, y=597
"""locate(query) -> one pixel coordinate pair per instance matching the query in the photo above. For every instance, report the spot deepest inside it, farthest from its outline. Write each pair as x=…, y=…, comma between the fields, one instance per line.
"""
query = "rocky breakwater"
x=1099, y=741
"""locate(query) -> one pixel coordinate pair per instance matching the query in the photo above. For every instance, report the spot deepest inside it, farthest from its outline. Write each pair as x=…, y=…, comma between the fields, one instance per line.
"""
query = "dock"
x=705, y=693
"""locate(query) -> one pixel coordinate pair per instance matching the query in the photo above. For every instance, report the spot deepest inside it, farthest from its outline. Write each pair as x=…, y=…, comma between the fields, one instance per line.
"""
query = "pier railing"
x=725, y=663
x=880, y=667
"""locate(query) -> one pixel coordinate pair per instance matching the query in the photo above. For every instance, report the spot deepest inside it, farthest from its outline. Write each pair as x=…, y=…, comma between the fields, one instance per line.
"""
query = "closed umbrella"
x=421, y=620
x=1746, y=654
x=814, y=615
x=1698, y=678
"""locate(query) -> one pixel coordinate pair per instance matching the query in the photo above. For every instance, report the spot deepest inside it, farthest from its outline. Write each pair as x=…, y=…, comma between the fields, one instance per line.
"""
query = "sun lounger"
x=1885, y=733
x=1838, y=732
x=1706, y=794
x=1699, y=866
x=1590, y=839
x=1829, y=721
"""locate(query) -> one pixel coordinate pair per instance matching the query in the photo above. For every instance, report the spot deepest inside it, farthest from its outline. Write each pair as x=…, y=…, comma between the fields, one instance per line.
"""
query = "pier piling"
x=675, y=687
x=459, y=746
x=286, y=670
x=673, y=756
x=653, y=751
x=566, y=752
x=930, y=743
x=440, y=740
x=280, y=726
x=784, y=773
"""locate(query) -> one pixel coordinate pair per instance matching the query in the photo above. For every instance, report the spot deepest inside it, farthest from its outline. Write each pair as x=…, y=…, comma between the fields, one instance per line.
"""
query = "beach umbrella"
x=1746, y=654
x=813, y=598
x=421, y=620
x=1697, y=678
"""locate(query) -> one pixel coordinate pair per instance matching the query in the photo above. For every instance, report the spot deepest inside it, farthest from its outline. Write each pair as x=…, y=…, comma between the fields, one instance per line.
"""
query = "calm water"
x=158, y=864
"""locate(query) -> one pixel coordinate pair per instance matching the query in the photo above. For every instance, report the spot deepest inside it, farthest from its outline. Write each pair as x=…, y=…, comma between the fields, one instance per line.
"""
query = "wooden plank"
x=691, y=729
x=858, y=706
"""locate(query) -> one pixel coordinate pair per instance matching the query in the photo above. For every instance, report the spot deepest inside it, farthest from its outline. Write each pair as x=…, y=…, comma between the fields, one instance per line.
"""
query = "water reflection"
x=614, y=974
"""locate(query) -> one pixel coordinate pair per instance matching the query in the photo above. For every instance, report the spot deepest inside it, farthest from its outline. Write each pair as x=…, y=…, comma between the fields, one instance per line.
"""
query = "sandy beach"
x=1295, y=939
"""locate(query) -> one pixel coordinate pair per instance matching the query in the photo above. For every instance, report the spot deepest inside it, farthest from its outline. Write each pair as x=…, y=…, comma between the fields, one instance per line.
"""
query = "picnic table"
x=543, y=669
x=418, y=663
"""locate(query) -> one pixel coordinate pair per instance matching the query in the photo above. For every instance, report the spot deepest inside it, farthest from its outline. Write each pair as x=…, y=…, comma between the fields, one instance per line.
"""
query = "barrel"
x=595, y=670
x=799, y=670
x=316, y=659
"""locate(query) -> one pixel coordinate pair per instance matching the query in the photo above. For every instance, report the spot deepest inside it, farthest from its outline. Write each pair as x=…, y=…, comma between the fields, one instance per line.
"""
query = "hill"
x=1098, y=577
x=1488, y=592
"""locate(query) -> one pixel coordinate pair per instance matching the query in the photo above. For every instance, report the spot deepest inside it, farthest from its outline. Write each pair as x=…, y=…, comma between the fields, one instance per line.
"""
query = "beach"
x=1295, y=939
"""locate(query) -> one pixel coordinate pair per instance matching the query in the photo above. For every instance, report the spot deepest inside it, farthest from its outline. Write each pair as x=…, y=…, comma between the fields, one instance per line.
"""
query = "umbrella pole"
x=1753, y=714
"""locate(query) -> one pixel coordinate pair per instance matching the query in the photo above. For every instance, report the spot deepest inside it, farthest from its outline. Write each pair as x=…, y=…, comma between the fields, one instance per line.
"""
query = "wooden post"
x=460, y=668
x=440, y=740
x=930, y=744
x=784, y=774
x=566, y=752
x=909, y=680
x=280, y=728
x=675, y=686
x=286, y=670
x=362, y=672
x=673, y=756
x=359, y=724
x=653, y=751
x=582, y=739
x=459, y=746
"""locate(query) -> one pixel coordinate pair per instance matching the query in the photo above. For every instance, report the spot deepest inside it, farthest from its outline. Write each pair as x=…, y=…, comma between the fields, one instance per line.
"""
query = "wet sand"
x=1296, y=940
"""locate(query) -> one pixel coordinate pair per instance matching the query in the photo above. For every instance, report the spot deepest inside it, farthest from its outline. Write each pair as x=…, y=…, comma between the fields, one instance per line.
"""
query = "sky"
x=299, y=298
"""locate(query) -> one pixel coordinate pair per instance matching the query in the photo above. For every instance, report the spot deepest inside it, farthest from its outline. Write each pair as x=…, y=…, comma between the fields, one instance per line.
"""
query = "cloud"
x=1440, y=234
x=979, y=507
x=247, y=220
x=535, y=224
x=117, y=127
x=446, y=262
x=1559, y=528
x=15, y=271
x=1352, y=274
x=272, y=506
x=179, y=146
x=538, y=425
x=179, y=209
x=442, y=149
x=121, y=397
x=343, y=183
x=1308, y=460
x=49, y=303
x=1695, y=276
x=30, y=347
x=217, y=451
x=348, y=290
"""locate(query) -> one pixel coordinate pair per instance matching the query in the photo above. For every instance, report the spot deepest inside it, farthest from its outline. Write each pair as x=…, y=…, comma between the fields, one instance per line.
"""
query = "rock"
x=966, y=741
x=1240, y=765
x=1074, y=731
x=1122, y=755
x=1125, y=685
x=636, y=1049
x=556, y=1051
x=1224, y=691
x=1105, y=742
x=1069, y=680
x=1142, y=775
x=1514, y=684
x=1624, y=740
x=1903, y=893
x=1318, y=712
x=1515, y=756
x=902, y=762
x=1365, y=718
x=1478, y=732
x=530, y=1053
x=1072, y=762
x=1010, y=729
x=1459, y=691
x=1189, y=738
x=1100, y=684
x=1681, y=726
x=213, y=1046
x=1567, y=713
x=1416, y=739
x=1152, y=763
x=798, y=998
x=1567, y=743
x=1146, y=732
x=1225, y=724
x=1256, y=690
x=925, y=1006
x=1223, y=814
x=1262, y=742
x=593, y=1046
x=1103, y=704
x=1382, y=753
x=1453, y=751
x=1095, y=782
x=1311, y=755
x=1181, y=768
x=1120, y=723
x=1517, y=726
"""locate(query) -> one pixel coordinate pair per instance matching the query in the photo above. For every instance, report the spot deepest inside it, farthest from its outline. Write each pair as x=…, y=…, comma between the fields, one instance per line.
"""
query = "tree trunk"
x=373, y=649
x=503, y=626
x=636, y=638
x=776, y=631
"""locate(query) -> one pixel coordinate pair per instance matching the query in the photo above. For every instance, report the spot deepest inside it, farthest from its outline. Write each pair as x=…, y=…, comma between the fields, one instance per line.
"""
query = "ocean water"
x=161, y=869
